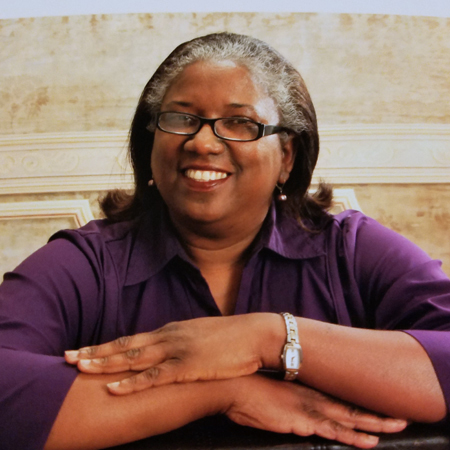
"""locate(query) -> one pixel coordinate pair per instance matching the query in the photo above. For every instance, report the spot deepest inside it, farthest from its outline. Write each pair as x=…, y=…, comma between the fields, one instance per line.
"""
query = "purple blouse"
x=102, y=281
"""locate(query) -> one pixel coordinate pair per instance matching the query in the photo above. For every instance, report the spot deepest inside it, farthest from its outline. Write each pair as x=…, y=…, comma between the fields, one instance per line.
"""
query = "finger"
x=333, y=430
x=119, y=345
x=359, y=418
x=125, y=343
x=366, y=421
x=135, y=359
x=165, y=373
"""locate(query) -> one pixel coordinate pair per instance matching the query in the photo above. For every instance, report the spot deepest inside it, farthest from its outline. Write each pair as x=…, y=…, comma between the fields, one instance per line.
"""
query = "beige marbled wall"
x=419, y=212
x=22, y=235
x=83, y=74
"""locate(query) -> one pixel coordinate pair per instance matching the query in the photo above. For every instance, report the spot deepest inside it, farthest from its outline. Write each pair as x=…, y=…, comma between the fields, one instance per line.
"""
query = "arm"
x=41, y=315
x=384, y=371
x=91, y=418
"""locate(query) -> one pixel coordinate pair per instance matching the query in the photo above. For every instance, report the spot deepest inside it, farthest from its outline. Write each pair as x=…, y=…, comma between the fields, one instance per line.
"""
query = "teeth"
x=205, y=175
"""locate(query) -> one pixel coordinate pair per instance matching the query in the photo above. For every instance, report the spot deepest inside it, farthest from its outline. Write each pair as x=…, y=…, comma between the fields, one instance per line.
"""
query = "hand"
x=200, y=349
x=286, y=407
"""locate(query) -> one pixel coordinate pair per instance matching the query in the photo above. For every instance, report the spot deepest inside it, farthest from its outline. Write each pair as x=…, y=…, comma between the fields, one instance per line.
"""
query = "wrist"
x=230, y=391
x=292, y=352
x=275, y=339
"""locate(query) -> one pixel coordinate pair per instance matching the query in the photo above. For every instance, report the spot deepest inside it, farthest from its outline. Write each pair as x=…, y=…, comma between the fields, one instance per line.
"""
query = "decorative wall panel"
x=380, y=86
x=63, y=162
x=26, y=226
x=349, y=155
x=79, y=211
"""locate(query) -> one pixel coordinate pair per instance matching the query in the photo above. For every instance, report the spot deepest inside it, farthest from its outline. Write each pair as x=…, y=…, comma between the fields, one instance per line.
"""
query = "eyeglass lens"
x=239, y=128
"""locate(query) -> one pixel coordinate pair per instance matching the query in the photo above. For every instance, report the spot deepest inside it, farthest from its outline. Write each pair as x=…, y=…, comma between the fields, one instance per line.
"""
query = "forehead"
x=219, y=82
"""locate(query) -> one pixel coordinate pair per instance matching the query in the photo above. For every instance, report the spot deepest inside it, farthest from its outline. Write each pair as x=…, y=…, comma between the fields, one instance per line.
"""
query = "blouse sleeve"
x=402, y=288
x=43, y=311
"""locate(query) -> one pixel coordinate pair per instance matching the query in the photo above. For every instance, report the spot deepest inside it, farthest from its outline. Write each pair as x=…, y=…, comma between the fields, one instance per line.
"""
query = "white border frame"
x=78, y=210
x=346, y=199
x=67, y=162
x=35, y=8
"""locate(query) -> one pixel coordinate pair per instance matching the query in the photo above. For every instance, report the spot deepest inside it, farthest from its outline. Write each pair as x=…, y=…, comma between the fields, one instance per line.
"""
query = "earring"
x=151, y=182
x=281, y=197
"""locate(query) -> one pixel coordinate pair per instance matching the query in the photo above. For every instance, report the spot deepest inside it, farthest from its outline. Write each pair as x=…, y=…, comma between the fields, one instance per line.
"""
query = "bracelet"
x=292, y=352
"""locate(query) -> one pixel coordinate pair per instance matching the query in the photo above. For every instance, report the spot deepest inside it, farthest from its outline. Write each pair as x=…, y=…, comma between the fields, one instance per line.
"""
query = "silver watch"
x=292, y=352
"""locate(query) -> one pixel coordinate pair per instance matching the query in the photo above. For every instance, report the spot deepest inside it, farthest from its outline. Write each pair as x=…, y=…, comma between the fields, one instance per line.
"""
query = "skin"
x=234, y=208
x=384, y=371
x=177, y=377
x=91, y=418
x=219, y=220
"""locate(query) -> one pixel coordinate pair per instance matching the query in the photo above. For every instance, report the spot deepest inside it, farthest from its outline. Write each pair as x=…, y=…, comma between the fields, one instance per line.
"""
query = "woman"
x=219, y=238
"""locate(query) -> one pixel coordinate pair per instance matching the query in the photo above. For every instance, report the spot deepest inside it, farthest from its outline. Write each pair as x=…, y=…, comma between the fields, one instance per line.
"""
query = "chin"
x=209, y=217
x=201, y=214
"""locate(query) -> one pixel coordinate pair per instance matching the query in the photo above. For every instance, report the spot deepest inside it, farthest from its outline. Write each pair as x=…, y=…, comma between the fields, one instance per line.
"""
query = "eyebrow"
x=232, y=105
x=179, y=103
x=242, y=105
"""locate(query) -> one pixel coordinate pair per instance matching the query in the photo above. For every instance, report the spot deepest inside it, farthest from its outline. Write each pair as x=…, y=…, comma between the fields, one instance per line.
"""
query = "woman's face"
x=205, y=179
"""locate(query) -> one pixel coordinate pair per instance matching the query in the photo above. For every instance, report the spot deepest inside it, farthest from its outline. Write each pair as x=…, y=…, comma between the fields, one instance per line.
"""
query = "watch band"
x=292, y=352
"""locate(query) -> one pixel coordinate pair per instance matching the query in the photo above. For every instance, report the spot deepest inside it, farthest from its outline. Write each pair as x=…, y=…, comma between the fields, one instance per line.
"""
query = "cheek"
x=161, y=159
x=269, y=158
x=154, y=162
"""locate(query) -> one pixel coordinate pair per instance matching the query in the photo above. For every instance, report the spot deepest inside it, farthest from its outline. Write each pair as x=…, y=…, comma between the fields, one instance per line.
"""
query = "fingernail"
x=85, y=362
x=114, y=385
x=400, y=422
x=82, y=353
x=372, y=440
x=72, y=354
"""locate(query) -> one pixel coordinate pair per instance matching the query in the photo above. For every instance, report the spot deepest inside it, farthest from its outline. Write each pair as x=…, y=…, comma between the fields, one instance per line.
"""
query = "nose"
x=205, y=141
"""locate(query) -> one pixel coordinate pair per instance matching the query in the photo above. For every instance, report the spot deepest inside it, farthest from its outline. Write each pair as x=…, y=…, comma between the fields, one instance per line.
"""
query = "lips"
x=205, y=175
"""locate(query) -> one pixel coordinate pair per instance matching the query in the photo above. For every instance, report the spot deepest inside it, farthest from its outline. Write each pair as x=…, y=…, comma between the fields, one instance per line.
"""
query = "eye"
x=178, y=122
x=239, y=122
x=237, y=128
x=182, y=119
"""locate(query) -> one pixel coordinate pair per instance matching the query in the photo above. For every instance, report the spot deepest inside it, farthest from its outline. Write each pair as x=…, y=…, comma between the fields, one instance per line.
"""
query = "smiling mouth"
x=205, y=175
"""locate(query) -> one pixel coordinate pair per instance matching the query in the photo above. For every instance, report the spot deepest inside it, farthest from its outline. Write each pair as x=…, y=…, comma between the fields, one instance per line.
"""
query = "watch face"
x=292, y=358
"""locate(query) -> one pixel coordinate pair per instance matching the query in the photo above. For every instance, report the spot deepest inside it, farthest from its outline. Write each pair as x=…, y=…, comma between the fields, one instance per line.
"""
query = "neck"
x=222, y=268
x=212, y=244
x=220, y=257
x=213, y=251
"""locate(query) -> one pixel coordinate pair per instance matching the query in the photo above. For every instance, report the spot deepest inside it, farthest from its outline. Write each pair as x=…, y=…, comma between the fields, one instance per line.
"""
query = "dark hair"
x=283, y=84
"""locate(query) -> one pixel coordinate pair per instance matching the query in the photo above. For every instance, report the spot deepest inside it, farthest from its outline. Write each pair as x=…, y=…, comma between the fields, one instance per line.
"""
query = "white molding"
x=350, y=154
x=63, y=162
x=345, y=199
x=401, y=153
x=78, y=210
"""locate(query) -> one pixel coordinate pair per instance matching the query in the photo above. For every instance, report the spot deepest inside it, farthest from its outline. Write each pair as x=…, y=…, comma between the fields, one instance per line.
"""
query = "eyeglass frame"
x=263, y=129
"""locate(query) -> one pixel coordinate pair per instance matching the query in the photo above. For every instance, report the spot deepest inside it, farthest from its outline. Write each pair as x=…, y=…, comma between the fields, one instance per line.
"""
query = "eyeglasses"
x=239, y=129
